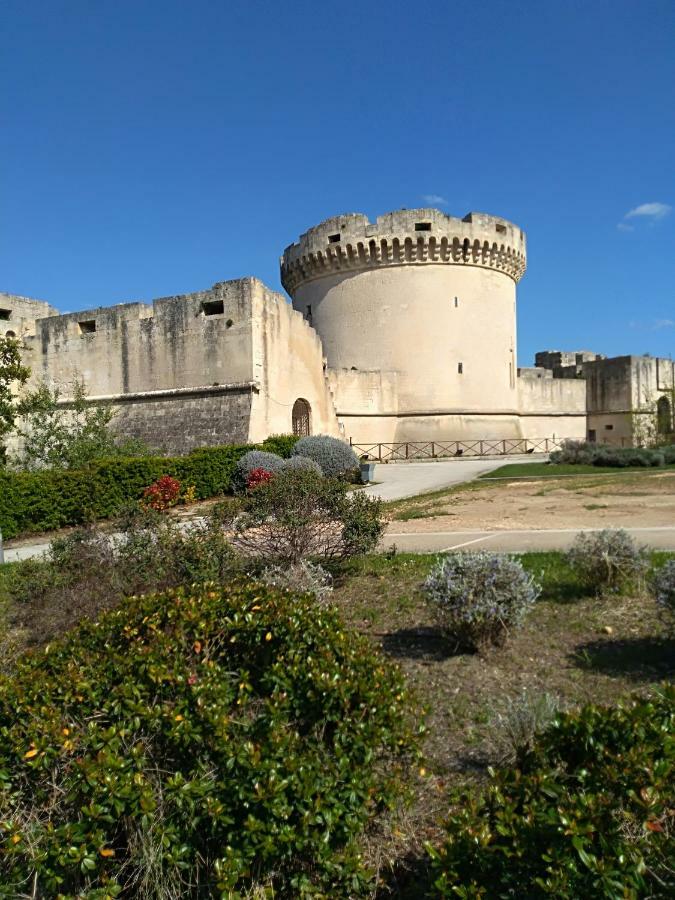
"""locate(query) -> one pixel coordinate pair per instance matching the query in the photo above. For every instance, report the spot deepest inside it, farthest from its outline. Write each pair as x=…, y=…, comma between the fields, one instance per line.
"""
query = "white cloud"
x=651, y=211
x=434, y=200
x=623, y=227
x=664, y=323
x=653, y=325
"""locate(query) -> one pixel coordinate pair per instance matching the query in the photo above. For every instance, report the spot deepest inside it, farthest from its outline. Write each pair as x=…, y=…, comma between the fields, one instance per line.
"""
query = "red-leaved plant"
x=163, y=493
x=256, y=477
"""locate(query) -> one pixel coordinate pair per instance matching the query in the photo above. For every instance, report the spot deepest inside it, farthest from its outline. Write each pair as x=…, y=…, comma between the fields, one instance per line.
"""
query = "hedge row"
x=42, y=501
x=590, y=454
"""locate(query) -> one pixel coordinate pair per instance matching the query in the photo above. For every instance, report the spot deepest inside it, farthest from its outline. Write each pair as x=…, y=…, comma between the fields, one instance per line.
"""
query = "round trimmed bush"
x=197, y=743
x=335, y=458
x=477, y=597
x=303, y=463
x=586, y=813
x=254, y=459
x=608, y=561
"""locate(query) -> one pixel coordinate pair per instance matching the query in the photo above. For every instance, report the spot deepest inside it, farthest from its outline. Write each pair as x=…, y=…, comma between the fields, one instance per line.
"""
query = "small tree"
x=12, y=373
x=58, y=438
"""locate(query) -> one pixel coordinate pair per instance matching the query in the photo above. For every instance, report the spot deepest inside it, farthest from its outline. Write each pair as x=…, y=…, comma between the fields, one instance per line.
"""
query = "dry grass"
x=574, y=647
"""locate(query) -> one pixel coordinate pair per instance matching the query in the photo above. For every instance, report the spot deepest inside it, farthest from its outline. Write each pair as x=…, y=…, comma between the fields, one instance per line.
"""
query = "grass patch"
x=574, y=646
x=551, y=470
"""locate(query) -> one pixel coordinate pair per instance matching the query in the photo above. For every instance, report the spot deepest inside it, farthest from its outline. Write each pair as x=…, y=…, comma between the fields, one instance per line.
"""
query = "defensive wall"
x=213, y=367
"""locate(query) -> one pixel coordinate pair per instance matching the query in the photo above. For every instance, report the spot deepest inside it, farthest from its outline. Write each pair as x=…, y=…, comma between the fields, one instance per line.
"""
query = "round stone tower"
x=417, y=315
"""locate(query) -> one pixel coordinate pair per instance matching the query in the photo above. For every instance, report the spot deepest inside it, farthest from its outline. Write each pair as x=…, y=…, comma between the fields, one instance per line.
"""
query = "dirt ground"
x=644, y=499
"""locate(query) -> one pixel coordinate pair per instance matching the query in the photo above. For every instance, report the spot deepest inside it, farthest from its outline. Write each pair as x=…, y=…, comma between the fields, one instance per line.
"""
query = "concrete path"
x=395, y=481
x=658, y=538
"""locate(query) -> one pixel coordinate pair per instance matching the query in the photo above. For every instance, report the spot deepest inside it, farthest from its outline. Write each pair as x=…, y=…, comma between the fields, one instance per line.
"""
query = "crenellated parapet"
x=402, y=238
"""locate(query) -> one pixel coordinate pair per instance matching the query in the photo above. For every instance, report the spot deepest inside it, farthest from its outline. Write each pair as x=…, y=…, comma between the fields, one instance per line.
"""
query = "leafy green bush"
x=477, y=597
x=663, y=590
x=335, y=458
x=249, y=462
x=608, y=561
x=281, y=444
x=197, y=742
x=301, y=515
x=41, y=501
x=588, y=813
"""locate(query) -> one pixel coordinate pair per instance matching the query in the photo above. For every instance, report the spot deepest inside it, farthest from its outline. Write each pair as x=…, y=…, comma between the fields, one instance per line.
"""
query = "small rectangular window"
x=422, y=226
x=456, y=302
x=460, y=368
x=591, y=435
x=88, y=326
x=333, y=238
x=501, y=228
x=609, y=428
x=5, y=314
x=213, y=307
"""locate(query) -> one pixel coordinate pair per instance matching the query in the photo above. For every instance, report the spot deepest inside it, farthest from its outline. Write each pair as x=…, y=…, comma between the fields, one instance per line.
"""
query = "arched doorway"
x=10, y=334
x=302, y=413
x=664, y=416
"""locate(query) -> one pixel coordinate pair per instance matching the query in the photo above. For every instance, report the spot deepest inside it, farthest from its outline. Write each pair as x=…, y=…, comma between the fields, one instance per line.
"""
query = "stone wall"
x=18, y=315
x=219, y=366
x=551, y=407
x=177, y=422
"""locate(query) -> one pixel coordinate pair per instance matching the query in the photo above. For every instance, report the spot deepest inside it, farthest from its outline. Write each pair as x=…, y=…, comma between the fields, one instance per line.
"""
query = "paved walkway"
x=658, y=538
x=395, y=481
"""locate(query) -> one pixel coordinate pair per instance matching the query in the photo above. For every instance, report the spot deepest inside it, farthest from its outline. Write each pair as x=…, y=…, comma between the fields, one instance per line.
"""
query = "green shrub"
x=249, y=462
x=588, y=813
x=45, y=500
x=477, y=597
x=198, y=742
x=608, y=561
x=335, y=458
x=301, y=515
x=281, y=444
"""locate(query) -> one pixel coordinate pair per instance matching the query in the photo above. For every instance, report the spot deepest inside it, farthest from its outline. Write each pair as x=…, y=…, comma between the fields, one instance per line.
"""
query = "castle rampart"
x=404, y=237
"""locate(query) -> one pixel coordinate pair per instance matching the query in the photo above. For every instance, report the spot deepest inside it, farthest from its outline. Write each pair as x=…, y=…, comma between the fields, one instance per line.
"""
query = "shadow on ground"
x=410, y=879
x=423, y=643
x=644, y=659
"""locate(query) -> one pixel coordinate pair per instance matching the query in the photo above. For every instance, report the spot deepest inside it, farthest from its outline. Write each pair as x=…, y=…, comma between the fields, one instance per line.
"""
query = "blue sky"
x=154, y=147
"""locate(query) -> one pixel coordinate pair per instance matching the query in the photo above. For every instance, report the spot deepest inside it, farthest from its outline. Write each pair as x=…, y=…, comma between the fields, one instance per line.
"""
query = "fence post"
x=379, y=452
x=2, y=552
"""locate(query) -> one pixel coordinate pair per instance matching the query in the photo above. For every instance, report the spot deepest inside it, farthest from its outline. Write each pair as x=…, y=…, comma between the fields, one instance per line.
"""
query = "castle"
x=399, y=330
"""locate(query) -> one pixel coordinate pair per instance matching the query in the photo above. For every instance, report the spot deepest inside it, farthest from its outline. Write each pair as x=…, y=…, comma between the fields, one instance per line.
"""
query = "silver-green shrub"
x=608, y=561
x=303, y=577
x=254, y=459
x=519, y=719
x=477, y=597
x=301, y=462
x=335, y=458
x=662, y=584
